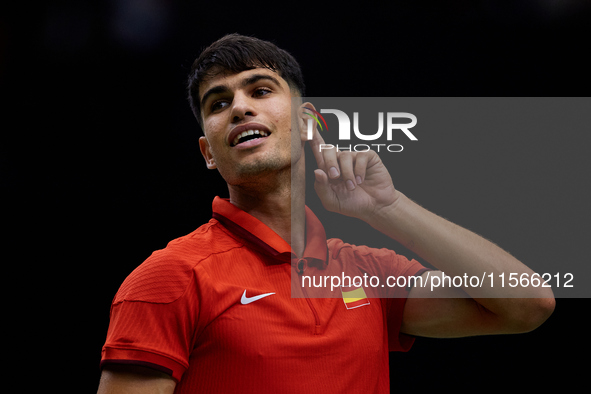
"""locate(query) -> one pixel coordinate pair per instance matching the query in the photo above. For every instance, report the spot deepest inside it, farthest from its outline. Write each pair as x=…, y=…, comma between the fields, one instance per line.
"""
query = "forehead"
x=230, y=80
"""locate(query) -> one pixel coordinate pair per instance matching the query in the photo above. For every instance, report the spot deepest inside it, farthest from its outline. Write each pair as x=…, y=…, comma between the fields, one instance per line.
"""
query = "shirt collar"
x=259, y=236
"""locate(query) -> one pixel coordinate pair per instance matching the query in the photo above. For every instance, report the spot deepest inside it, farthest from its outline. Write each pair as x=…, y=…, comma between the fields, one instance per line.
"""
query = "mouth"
x=248, y=135
x=244, y=133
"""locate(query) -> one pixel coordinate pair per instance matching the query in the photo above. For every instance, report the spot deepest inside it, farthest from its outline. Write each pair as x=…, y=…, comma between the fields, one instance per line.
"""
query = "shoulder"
x=338, y=248
x=381, y=261
x=165, y=275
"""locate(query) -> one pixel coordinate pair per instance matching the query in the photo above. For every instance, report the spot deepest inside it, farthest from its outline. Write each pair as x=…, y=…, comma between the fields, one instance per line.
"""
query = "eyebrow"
x=248, y=81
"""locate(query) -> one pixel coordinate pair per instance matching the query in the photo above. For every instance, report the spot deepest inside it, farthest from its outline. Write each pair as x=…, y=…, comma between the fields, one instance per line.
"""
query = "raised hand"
x=355, y=184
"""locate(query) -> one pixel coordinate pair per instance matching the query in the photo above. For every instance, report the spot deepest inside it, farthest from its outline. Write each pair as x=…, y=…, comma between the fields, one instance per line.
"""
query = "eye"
x=219, y=105
x=259, y=92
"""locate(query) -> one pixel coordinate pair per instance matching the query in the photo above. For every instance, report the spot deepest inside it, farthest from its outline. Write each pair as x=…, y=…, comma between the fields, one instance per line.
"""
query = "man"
x=213, y=311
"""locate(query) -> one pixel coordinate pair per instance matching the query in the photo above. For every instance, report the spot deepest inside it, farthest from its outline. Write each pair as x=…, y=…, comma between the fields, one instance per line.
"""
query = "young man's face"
x=255, y=102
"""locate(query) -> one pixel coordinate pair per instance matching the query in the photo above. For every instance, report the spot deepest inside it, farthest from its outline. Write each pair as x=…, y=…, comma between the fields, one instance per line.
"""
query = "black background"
x=100, y=161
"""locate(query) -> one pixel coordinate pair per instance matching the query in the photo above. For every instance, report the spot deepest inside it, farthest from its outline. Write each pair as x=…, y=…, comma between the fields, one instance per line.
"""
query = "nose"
x=242, y=107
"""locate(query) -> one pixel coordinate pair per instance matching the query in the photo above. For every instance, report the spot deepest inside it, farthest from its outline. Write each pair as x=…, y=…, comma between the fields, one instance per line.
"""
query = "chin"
x=256, y=171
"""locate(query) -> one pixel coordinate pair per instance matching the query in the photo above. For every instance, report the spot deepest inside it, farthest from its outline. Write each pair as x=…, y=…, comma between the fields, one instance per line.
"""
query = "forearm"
x=131, y=379
x=457, y=252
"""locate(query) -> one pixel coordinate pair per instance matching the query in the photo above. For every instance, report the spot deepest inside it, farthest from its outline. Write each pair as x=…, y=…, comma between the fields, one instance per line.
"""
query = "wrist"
x=382, y=218
x=400, y=221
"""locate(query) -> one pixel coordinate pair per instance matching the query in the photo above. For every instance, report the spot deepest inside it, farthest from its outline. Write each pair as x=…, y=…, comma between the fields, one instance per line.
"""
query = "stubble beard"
x=260, y=174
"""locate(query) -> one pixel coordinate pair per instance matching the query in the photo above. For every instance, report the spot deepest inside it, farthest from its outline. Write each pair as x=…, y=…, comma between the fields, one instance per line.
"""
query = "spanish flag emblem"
x=354, y=297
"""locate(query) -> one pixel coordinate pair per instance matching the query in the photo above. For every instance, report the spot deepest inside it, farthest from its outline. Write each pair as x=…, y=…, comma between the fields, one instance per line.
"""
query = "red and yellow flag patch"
x=354, y=297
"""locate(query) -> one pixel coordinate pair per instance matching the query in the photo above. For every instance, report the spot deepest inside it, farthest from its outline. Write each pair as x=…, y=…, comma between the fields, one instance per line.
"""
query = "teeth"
x=248, y=132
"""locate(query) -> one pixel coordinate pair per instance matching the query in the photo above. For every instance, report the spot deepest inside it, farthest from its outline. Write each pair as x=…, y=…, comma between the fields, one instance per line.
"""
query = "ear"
x=206, y=152
x=305, y=117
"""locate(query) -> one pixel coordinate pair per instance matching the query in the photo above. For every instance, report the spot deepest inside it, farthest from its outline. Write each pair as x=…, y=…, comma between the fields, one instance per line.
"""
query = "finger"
x=331, y=163
x=323, y=188
x=317, y=151
x=346, y=167
x=315, y=144
x=361, y=161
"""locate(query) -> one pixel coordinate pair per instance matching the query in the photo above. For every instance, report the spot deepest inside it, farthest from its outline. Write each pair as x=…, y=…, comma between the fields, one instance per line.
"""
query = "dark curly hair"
x=236, y=53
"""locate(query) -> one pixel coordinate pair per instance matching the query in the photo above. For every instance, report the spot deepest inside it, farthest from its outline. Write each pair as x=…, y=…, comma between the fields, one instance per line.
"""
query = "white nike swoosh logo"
x=247, y=300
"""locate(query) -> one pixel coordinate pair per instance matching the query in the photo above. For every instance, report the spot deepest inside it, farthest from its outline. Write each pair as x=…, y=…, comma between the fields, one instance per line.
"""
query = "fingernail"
x=333, y=172
x=317, y=176
x=350, y=185
x=358, y=180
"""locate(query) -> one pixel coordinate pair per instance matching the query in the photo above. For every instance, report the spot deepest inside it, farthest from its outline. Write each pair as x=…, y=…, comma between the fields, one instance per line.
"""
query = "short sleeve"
x=403, y=268
x=153, y=319
x=395, y=274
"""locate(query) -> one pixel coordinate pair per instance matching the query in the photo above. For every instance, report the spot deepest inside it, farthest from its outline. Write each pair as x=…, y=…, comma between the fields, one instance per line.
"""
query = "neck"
x=278, y=202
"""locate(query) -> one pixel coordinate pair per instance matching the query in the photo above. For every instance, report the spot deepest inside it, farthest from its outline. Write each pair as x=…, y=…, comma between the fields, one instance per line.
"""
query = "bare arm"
x=458, y=252
x=357, y=184
x=129, y=379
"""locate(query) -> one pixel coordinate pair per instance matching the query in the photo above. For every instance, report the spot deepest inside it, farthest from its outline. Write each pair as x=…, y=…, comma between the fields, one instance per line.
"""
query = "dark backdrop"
x=100, y=161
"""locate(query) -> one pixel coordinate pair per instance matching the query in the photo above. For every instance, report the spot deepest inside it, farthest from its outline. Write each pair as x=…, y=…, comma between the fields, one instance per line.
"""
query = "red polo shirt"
x=214, y=310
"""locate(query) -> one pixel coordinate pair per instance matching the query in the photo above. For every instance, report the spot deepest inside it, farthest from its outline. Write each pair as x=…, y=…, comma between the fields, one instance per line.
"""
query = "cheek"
x=214, y=133
x=211, y=126
x=284, y=124
x=281, y=110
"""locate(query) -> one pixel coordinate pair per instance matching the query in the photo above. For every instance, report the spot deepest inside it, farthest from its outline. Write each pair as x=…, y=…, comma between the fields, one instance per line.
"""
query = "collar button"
x=301, y=266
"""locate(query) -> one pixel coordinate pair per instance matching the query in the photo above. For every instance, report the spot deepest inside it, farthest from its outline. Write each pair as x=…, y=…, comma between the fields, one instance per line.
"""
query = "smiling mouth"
x=248, y=135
